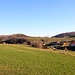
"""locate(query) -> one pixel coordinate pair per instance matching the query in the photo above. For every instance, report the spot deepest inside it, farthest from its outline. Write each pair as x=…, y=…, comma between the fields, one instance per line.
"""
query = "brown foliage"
x=38, y=44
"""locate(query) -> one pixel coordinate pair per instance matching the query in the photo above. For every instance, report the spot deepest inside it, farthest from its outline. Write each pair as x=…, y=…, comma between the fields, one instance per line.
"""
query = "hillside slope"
x=13, y=39
x=23, y=60
x=68, y=34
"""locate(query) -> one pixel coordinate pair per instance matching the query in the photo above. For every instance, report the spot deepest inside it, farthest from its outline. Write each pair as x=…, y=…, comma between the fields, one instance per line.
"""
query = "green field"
x=50, y=39
x=23, y=60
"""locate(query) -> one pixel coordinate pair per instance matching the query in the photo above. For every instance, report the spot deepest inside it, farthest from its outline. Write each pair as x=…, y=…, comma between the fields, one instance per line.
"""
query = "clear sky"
x=37, y=17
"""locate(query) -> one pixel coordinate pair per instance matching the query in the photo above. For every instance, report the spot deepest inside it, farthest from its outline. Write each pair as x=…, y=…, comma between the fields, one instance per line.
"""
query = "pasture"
x=25, y=60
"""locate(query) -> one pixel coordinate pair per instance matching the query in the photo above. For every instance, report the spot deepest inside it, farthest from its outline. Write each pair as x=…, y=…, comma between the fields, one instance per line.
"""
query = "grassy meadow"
x=25, y=60
x=50, y=39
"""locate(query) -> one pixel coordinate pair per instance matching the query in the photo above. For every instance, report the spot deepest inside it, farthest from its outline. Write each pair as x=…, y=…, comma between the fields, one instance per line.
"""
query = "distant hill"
x=14, y=38
x=13, y=35
x=19, y=35
x=62, y=35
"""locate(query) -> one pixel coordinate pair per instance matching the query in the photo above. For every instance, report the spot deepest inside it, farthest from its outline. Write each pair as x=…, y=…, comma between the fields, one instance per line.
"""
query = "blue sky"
x=37, y=17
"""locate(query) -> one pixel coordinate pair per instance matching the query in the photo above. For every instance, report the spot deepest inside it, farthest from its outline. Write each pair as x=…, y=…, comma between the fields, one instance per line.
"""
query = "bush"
x=38, y=44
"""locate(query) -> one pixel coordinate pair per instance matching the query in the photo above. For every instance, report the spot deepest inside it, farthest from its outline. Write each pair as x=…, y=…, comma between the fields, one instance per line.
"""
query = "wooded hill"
x=21, y=39
x=13, y=39
x=62, y=35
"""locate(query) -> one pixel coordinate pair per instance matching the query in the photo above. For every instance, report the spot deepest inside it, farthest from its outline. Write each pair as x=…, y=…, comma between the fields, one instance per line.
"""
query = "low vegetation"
x=39, y=42
x=25, y=60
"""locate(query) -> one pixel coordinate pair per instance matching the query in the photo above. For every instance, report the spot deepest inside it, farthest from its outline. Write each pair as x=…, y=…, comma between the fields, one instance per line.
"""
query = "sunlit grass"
x=24, y=60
